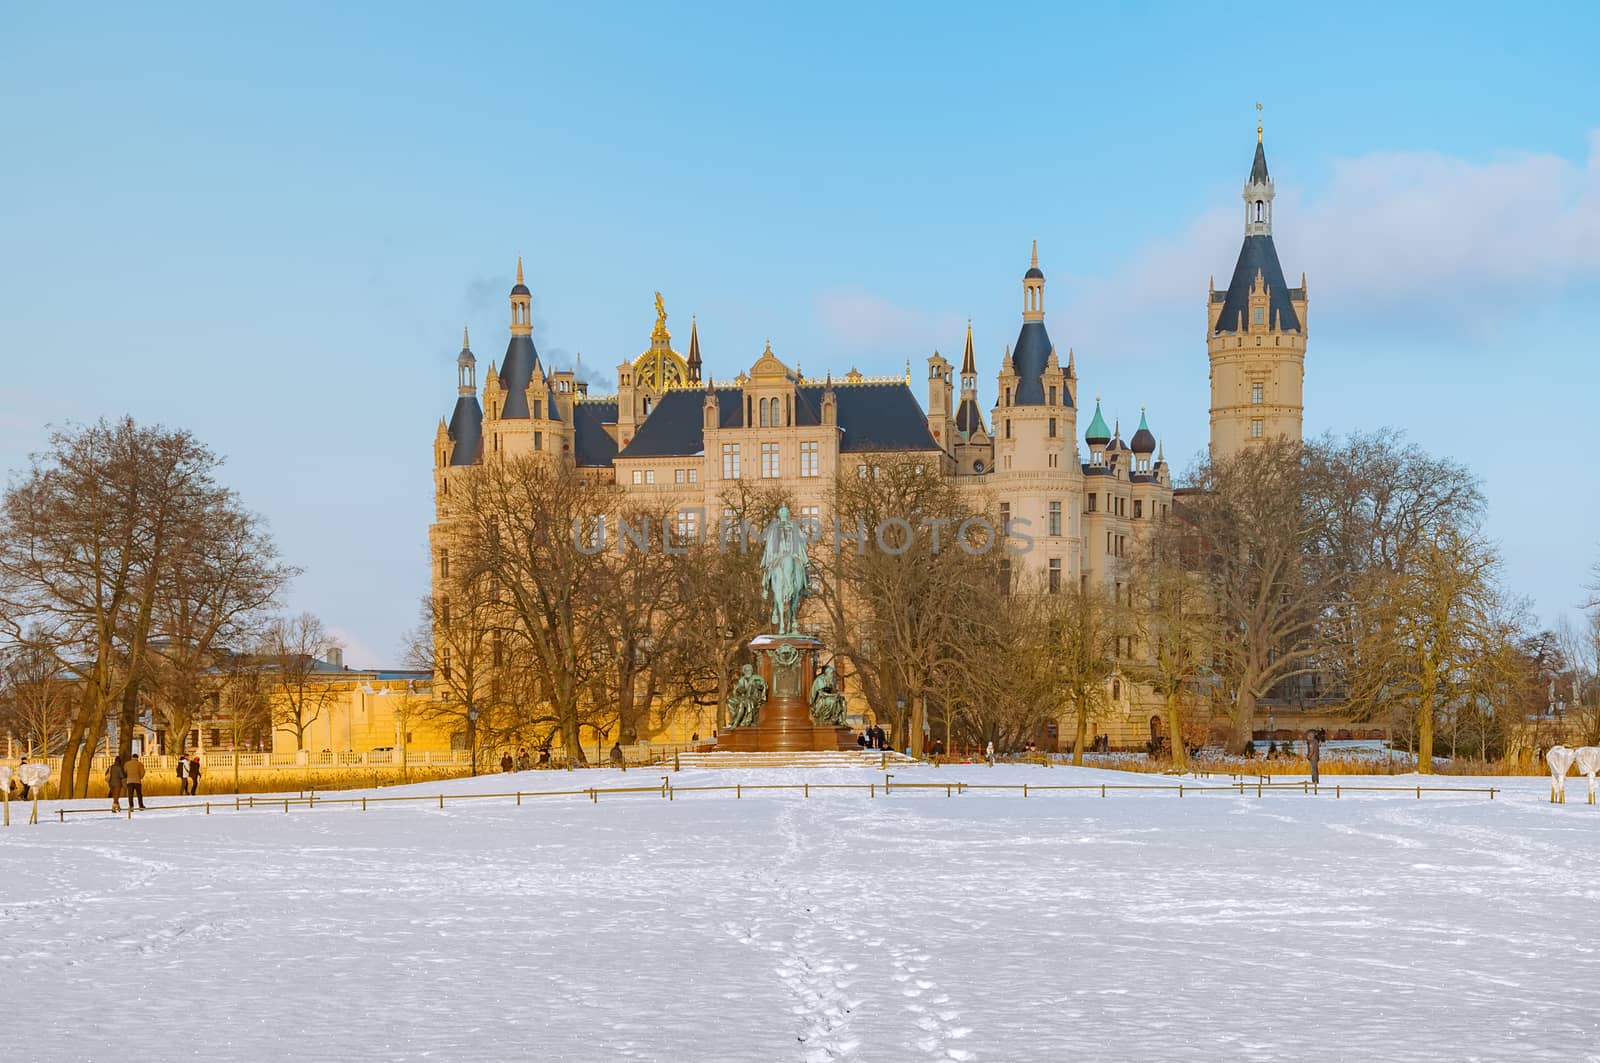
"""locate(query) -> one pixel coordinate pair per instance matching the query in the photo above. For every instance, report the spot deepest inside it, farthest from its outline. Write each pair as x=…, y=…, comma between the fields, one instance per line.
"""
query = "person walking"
x=1314, y=753
x=27, y=791
x=183, y=775
x=114, y=782
x=505, y=761
x=194, y=775
x=133, y=780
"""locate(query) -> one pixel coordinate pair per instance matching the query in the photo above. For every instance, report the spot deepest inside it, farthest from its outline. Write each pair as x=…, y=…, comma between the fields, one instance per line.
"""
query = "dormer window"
x=1258, y=316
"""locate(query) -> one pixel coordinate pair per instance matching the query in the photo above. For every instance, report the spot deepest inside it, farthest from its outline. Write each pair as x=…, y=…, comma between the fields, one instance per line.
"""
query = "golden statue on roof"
x=660, y=367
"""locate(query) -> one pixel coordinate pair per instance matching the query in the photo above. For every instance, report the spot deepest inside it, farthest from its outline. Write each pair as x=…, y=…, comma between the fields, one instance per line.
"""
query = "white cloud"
x=1392, y=232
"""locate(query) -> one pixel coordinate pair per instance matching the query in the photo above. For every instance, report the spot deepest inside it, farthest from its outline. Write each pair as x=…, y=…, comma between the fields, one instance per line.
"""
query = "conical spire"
x=519, y=269
x=1035, y=261
x=969, y=363
x=694, y=351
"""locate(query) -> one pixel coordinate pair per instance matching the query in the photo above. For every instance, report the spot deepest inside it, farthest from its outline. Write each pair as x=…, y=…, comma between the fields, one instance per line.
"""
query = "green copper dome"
x=1099, y=432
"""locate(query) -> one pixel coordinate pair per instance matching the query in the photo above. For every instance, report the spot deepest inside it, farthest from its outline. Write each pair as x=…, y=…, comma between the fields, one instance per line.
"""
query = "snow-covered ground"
x=774, y=927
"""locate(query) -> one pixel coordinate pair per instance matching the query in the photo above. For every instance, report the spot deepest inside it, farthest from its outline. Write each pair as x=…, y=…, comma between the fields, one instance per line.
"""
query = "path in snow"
x=836, y=928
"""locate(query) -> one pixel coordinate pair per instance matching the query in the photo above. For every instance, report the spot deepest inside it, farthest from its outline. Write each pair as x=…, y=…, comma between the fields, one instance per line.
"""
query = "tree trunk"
x=1081, y=734
x=919, y=717
x=1244, y=720
x=128, y=719
x=1425, y=732
x=1180, y=750
x=86, y=765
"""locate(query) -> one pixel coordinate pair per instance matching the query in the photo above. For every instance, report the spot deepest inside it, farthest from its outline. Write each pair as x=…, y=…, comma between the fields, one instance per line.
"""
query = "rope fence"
x=872, y=790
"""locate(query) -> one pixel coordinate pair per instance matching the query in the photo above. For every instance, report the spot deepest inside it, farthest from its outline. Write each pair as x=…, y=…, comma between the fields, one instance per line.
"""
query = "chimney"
x=336, y=657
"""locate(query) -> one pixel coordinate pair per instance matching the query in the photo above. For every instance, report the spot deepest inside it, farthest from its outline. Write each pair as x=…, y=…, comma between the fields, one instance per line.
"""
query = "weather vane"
x=1258, y=121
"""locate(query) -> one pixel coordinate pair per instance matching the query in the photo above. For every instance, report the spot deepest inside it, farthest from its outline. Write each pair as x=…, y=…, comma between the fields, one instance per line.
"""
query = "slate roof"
x=1028, y=360
x=1257, y=255
x=872, y=417
x=521, y=362
x=969, y=419
x=593, y=444
x=466, y=430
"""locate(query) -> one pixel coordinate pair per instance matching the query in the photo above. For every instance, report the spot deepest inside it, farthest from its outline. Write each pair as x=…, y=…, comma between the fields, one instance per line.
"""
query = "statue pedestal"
x=787, y=663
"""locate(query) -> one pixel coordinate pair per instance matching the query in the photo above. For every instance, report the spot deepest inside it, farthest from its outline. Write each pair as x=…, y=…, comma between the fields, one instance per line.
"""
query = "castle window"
x=680, y=476
x=444, y=564
x=1260, y=207
x=811, y=520
x=1055, y=575
x=1008, y=398
x=1052, y=398
x=1258, y=316
x=647, y=405
x=1255, y=428
x=1055, y=518
x=444, y=611
x=649, y=476
x=694, y=476
x=444, y=663
x=1094, y=502
x=730, y=461
x=1138, y=509
x=808, y=459
x=638, y=477
x=499, y=649
x=861, y=472
x=1052, y=420
x=766, y=421
x=1008, y=428
x=769, y=457
x=688, y=525
x=1005, y=575
x=1257, y=393
x=538, y=441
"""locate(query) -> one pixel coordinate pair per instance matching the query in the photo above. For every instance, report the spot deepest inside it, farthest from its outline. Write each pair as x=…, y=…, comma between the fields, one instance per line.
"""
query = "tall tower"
x=1256, y=334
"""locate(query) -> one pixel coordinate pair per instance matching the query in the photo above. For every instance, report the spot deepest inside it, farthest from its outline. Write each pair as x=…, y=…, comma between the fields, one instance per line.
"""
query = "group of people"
x=125, y=779
x=873, y=738
x=523, y=761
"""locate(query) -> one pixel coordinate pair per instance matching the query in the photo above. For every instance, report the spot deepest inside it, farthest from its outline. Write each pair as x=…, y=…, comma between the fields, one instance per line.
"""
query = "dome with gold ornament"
x=660, y=367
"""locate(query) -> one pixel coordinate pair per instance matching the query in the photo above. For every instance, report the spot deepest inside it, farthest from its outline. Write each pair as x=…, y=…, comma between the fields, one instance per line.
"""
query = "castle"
x=677, y=436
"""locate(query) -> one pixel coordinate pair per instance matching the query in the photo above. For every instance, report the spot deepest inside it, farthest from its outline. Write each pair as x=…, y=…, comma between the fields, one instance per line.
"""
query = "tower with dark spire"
x=693, y=364
x=1256, y=333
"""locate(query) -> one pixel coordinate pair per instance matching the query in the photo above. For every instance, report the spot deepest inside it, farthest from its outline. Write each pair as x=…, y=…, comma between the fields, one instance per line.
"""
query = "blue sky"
x=269, y=226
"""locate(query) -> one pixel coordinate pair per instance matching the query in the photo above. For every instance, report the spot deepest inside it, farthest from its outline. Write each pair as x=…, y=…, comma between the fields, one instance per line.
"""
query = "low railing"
x=872, y=790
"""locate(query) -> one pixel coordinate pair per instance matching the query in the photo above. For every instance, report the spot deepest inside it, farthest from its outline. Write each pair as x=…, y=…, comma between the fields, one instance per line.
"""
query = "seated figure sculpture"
x=744, y=702
x=827, y=700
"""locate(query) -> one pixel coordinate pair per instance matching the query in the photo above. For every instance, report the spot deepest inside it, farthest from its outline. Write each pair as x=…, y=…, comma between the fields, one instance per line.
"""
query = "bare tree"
x=36, y=696
x=1177, y=632
x=296, y=649
x=90, y=538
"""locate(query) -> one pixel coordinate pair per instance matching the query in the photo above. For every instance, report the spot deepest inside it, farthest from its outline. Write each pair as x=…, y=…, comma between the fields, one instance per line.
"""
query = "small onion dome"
x=1099, y=433
x=1033, y=272
x=1144, y=440
x=520, y=288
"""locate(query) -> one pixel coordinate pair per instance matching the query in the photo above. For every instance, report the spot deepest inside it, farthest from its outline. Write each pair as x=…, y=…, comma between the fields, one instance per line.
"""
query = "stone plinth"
x=787, y=663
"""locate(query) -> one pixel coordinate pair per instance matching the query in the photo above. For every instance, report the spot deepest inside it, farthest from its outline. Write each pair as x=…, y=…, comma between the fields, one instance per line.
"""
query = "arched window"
x=647, y=405
x=1116, y=690
x=1260, y=208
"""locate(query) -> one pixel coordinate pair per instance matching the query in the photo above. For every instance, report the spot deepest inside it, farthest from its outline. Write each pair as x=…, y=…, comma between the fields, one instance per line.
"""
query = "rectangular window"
x=1255, y=428
x=498, y=652
x=1052, y=395
x=688, y=525
x=1005, y=517
x=730, y=461
x=808, y=459
x=1138, y=509
x=649, y=476
x=1055, y=575
x=1257, y=393
x=444, y=611
x=769, y=461
x=1052, y=424
x=861, y=471
x=1258, y=316
x=538, y=441
x=1094, y=502
x=1005, y=575
x=811, y=520
x=638, y=477
x=680, y=476
x=694, y=476
x=444, y=564
x=1055, y=518
x=1008, y=428
x=444, y=662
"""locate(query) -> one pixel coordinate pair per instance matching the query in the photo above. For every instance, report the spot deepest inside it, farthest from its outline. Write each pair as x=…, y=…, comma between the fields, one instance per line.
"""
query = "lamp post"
x=472, y=737
x=900, y=710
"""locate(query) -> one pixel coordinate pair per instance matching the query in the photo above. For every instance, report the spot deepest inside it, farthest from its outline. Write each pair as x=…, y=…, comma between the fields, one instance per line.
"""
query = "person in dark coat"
x=505, y=762
x=183, y=775
x=115, y=780
x=194, y=775
x=1314, y=753
x=27, y=791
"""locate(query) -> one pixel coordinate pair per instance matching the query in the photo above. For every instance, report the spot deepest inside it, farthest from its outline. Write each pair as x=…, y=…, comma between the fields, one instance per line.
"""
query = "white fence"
x=221, y=761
